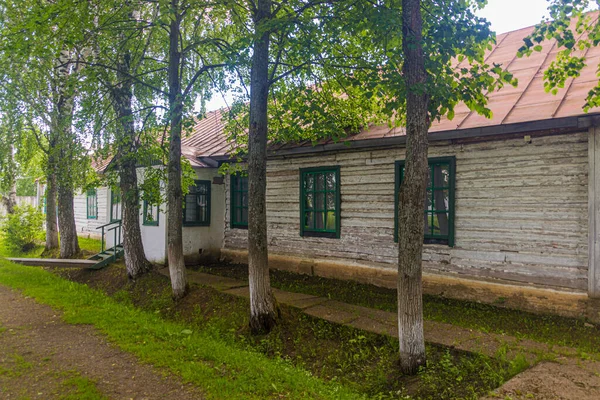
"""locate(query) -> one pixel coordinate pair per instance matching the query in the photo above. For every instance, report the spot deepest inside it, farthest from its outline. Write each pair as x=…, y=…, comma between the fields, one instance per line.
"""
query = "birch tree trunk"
x=412, y=193
x=263, y=315
x=69, y=242
x=174, y=192
x=64, y=148
x=136, y=262
x=10, y=201
x=51, y=219
x=135, y=257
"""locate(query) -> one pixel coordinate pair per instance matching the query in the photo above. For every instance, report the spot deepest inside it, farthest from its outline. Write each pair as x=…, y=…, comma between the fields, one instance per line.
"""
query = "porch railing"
x=115, y=228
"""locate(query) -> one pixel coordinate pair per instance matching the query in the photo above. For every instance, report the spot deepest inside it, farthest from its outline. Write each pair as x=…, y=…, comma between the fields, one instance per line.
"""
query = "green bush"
x=22, y=229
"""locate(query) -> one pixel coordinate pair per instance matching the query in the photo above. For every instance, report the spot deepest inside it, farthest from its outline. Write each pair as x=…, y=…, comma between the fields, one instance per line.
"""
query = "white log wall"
x=521, y=210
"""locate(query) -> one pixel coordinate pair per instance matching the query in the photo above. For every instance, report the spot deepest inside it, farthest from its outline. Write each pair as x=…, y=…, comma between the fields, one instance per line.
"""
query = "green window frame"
x=151, y=214
x=440, y=189
x=92, y=204
x=196, y=206
x=320, y=202
x=116, y=209
x=239, y=202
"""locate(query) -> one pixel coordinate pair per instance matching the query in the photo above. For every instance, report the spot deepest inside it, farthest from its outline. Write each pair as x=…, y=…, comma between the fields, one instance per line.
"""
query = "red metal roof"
x=525, y=103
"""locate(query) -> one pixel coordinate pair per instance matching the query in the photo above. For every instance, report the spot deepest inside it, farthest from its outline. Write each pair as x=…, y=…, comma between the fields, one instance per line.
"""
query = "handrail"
x=118, y=225
x=116, y=221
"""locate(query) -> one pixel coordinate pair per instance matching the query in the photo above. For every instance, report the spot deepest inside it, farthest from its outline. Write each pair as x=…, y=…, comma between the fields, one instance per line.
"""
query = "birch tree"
x=9, y=126
x=40, y=63
x=197, y=39
x=424, y=49
x=285, y=81
x=120, y=38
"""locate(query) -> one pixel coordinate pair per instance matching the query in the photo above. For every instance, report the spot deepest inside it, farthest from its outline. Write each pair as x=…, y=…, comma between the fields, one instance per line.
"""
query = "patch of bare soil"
x=569, y=379
x=40, y=354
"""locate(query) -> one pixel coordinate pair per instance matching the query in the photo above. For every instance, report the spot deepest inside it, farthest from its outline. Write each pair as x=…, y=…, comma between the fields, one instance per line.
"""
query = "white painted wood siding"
x=521, y=210
x=87, y=226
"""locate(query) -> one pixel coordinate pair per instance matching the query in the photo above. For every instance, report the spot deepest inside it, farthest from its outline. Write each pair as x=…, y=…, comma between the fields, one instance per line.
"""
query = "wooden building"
x=513, y=205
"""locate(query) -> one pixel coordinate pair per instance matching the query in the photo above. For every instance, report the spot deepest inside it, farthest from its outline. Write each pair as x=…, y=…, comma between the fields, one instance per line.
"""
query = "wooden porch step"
x=53, y=262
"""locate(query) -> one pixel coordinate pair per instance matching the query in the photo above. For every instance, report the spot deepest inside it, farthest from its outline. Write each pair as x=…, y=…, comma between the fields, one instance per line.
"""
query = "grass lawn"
x=88, y=247
x=358, y=361
x=205, y=338
x=222, y=369
x=549, y=329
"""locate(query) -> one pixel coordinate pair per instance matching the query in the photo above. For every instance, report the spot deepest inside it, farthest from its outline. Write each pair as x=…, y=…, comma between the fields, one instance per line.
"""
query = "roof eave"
x=556, y=124
x=579, y=122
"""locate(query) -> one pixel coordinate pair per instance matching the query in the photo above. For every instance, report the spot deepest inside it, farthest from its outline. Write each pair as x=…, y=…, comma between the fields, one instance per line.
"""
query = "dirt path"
x=568, y=379
x=42, y=357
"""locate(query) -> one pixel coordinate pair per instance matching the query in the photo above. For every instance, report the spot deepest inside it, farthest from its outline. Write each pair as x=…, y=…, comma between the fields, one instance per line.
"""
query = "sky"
x=510, y=15
x=504, y=15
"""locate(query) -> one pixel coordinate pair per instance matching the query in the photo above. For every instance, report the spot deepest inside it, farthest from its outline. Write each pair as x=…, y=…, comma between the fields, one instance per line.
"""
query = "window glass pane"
x=330, y=221
x=441, y=200
x=330, y=180
x=320, y=220
x=309, y=201
x=197, y=203
x=441, y=224
x=151, y=215
x=435, y=229
x=203, y=214
x=441, y=175
x=309, y=181
x=239, y=200
x=320, y=182
x=308, y=220
x=320, y=201
x=427, y=221
x=330, y=201
x=115, y=206
x=92, y=209
x=428, y=203
x=190, y=208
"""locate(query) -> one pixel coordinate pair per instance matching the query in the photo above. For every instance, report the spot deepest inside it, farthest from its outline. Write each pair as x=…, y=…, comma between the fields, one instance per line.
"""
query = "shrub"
x=22, y=229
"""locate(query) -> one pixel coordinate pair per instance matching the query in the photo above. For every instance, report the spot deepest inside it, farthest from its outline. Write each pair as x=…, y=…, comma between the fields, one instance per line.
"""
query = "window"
x=92, y=204
x=151, y=212
x=239, y=201
x=439, y=202
x=116, y=211
x=320, y=202
x=196, y=210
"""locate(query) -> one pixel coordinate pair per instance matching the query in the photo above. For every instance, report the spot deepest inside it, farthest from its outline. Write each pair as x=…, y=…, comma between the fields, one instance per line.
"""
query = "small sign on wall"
x=218, y=180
